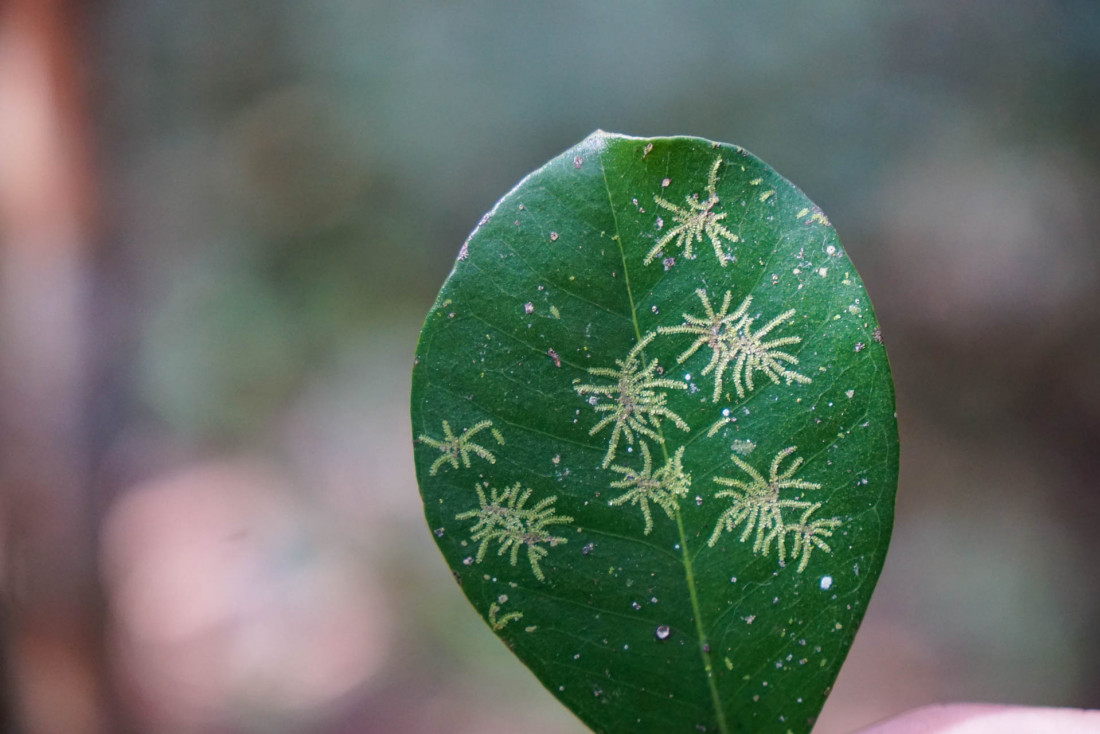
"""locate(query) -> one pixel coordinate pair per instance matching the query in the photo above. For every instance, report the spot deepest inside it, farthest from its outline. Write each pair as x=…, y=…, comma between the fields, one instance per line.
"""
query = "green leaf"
x=656, y=438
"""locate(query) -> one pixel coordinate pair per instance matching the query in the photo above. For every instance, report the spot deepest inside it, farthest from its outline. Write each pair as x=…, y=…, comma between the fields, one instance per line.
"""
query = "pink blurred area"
x=220, y=228
x=987, y=719
x=223, y=596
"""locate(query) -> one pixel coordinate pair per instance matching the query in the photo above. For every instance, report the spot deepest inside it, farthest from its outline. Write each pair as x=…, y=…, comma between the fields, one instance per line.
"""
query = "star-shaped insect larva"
x=456, y=449
x=662, y=487
x=808, y=534
x=758, y=506
x=502, y=517
x=736, y=347
x=637, y=402
x=693, y=222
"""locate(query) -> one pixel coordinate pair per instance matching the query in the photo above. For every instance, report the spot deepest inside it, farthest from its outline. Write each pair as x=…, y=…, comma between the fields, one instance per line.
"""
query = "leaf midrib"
x=685, y=557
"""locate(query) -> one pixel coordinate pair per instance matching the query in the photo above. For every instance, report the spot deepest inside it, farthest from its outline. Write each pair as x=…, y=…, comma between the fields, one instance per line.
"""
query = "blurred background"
x=222, y=222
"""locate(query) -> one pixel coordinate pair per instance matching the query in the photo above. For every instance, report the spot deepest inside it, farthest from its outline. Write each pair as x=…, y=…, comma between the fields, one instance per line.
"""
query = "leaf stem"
x=704, y=647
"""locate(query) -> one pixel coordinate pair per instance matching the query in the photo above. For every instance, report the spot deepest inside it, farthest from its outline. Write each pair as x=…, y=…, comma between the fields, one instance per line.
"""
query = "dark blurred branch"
x=53, y=641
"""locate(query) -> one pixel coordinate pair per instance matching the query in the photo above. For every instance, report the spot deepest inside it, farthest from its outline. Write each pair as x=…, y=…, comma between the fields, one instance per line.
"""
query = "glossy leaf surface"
x=655, y=436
